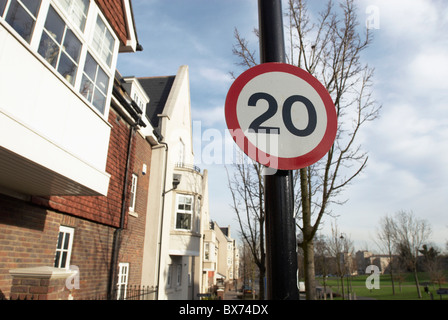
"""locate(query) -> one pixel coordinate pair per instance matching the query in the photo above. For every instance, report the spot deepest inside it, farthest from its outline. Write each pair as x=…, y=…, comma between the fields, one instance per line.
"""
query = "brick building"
x=74, y=150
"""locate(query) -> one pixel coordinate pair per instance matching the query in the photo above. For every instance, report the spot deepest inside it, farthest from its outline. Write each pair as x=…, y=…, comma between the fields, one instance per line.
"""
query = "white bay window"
x=73, y=39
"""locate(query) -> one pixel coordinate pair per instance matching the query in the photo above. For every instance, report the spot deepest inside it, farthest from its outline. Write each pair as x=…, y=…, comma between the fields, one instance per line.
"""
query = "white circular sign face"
x=281, y=116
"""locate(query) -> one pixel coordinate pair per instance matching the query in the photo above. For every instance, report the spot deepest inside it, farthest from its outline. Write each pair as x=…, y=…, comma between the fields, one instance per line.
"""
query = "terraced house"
x=75, y=149
x=99, y=193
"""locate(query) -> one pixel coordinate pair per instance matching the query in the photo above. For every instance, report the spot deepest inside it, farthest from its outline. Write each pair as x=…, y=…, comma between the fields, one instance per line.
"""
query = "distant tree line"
x=402, y=238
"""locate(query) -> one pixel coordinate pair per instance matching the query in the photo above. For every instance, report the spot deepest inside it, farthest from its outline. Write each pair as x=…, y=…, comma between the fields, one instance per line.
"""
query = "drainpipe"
x=117, y=233
x=159, y=262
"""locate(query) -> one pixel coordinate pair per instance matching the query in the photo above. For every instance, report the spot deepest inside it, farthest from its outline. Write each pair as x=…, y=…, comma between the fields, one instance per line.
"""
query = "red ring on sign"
x=279, y=162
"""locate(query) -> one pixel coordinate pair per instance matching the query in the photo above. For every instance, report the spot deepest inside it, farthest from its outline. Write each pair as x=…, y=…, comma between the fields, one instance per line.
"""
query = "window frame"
x=197, y=215
x=206, y=251
x=184, y=211
x=61, y=48
x=5, y=12
x=181, y=152
x=178, y=275
x=58, y=261
x=133, y=193
x=123, y=280
x=169, y=276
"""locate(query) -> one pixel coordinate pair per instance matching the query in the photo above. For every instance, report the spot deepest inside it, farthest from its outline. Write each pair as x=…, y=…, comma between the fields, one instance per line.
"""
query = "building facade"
x=69, y=147
x=177, y=192
x=98, y=187
x=220, y=259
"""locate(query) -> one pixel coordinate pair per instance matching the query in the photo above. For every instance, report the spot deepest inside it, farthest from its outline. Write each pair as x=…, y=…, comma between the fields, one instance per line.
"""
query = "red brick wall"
x=133, y=237
x=28, y=239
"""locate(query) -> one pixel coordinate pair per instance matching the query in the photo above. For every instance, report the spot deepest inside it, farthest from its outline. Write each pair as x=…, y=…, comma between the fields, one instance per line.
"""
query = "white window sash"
x=133, y=192
x=64, y=231
x=184, y=211
x=179, y=275
x=122, y=283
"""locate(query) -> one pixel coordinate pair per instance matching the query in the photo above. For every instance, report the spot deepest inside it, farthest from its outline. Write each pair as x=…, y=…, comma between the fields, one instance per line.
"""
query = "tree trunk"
x=261, y=284
x=308, y=262
x=392, y=273
x=417, y=283
x=307, y=244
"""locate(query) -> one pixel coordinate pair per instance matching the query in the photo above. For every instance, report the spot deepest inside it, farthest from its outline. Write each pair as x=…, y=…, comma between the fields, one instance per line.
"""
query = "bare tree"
x=246, y=188
x=248, y=266
x=410, y=234
x=328, y=48
x=386, y=243
x=322, y=259
x=341, y=249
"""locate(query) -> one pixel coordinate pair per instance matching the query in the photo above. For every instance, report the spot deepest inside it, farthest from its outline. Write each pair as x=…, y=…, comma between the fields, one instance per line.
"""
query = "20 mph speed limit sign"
x=281, y=116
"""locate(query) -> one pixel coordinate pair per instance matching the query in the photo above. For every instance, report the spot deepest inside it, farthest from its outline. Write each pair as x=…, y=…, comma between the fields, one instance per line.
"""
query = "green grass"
x=407, y=291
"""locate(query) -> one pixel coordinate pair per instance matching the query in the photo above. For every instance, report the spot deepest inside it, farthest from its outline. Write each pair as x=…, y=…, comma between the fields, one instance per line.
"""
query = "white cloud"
x=215, y=75
x=408, y=19
x=211, y=116
x=429, y=69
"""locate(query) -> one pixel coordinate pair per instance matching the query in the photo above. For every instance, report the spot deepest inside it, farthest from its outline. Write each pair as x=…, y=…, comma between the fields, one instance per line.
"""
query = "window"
x=103, y=42
x=76, y=11
x=122, y=283
x=59, y=46
x=179, y=275
x=95, y=83
x=197, y=211
x=206, y=251
x=181, y=154
x=64, y=247
x=2, y=6
x=184, y=212
x=133, y=192
x=169, y=277
x=22, y=16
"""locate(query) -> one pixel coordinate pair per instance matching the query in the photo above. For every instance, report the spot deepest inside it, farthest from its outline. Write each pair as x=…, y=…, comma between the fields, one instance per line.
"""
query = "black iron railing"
x=188, y=166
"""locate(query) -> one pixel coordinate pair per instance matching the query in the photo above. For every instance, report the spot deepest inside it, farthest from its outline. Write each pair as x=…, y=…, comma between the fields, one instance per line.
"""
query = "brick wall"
x=133, y=237
x=28, y=239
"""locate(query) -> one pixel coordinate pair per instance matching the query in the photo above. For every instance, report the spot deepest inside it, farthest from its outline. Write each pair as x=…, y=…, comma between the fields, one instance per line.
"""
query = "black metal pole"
x=281, y=241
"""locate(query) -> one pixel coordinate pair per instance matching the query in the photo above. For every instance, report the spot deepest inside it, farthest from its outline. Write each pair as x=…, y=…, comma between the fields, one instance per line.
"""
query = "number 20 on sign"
x=281, y=116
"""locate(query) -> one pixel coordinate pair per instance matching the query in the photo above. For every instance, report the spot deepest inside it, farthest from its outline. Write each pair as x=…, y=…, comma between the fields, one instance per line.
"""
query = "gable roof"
x=158, y=90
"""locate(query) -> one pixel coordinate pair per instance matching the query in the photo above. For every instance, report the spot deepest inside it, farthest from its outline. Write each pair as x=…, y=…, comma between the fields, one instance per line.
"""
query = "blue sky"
x=407, y=146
